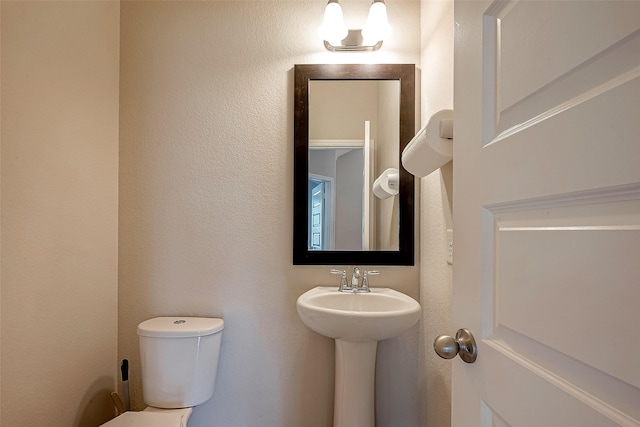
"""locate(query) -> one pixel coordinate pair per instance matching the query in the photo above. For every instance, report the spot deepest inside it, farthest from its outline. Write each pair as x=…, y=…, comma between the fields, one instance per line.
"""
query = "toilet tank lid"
x=179, y=327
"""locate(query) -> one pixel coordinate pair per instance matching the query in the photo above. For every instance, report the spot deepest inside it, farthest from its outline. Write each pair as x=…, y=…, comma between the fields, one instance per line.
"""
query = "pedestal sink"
x=357, y=321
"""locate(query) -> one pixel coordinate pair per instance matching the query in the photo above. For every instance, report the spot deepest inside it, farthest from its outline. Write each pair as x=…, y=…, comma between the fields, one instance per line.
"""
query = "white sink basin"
x=377, y=315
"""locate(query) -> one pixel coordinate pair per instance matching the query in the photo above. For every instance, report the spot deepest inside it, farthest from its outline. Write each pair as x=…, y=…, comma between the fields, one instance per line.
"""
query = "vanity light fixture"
x=338, y=38
x=333, y=28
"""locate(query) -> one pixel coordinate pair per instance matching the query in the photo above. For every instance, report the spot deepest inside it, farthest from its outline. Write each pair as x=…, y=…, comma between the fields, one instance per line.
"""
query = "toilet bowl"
x=179, y=359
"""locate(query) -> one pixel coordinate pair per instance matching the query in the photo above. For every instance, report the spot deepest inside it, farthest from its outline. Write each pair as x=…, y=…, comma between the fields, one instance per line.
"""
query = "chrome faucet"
x=355, y=279
x=356, y=285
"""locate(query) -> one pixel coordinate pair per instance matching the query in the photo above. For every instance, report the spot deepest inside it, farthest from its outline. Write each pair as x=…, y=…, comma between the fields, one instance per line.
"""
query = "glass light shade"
x=377, y=27
x=333, y=28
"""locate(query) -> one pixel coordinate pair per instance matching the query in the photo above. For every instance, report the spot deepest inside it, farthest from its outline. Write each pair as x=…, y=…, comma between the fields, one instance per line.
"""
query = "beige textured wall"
x=206, y=166
x=59, y=212
x=437, y=29
x=57, y=196
x=0, y=213
x=339, y=109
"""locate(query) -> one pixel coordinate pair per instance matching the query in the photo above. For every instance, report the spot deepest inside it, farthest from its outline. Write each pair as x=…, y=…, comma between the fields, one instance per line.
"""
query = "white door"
x=547, y=213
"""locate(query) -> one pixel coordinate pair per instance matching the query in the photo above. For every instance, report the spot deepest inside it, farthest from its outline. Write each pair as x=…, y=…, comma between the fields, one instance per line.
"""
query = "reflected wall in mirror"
x=351, y=124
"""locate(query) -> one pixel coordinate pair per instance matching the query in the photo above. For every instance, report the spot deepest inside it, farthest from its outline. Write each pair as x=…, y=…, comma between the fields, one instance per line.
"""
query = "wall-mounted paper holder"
x=387, y=184
x=432, y=147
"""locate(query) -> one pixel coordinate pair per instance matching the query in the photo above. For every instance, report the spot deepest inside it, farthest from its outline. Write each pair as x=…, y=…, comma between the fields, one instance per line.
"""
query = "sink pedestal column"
x=354, y=404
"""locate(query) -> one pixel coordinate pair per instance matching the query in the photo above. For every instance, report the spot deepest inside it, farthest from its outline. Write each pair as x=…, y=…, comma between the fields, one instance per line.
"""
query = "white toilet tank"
x=179, y=357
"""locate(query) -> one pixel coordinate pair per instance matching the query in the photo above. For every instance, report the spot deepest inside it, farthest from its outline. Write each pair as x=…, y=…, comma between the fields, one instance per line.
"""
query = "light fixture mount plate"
x=353, y=43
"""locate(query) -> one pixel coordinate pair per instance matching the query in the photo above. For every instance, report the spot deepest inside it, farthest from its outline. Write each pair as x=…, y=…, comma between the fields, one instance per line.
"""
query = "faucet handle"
x=365, y=279
x=343, y=279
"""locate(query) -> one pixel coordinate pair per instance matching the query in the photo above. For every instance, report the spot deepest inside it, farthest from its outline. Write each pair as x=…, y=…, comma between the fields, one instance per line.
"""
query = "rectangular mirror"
x=353, y=201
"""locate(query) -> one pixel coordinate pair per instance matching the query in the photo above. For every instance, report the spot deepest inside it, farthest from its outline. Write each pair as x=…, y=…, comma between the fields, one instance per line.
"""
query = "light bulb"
x=377, y=27
x=333, y=28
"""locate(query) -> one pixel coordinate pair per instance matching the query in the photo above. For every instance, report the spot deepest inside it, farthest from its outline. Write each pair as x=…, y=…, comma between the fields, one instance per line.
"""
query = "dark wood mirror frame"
x=405, y=74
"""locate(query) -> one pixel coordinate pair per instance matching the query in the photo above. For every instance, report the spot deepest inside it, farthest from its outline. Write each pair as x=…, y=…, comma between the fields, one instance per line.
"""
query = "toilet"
x=179, y=359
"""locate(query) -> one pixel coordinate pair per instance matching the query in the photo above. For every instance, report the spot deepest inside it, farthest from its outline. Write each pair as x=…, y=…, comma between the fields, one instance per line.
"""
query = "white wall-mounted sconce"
x=338, y=38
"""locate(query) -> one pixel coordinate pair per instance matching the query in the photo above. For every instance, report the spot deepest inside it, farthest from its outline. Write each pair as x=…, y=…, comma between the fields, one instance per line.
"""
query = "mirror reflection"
x=353, y=202
x=353, y=145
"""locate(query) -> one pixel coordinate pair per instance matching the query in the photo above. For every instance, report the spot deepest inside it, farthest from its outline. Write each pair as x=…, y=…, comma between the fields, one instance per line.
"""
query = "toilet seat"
x=152, y=417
